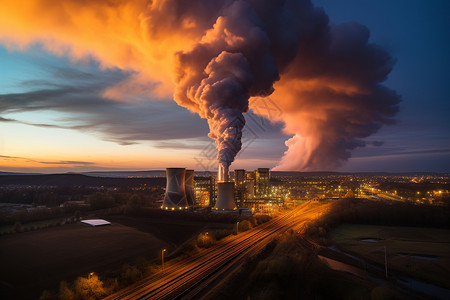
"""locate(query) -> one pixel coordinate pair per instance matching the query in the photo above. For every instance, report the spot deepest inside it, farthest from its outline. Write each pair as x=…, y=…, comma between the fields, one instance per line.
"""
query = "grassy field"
x=37, y=260
x=404, y=247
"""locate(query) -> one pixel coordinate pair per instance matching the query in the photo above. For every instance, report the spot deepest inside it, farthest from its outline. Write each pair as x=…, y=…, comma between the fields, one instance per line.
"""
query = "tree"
x=134, y=201
x=65, y=293
x=89, y=288
x=101, y=200
x=204, y=240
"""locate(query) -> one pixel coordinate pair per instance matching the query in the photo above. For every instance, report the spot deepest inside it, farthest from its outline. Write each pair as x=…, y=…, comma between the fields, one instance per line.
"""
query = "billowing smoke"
x=325, y=78
x=217, y=76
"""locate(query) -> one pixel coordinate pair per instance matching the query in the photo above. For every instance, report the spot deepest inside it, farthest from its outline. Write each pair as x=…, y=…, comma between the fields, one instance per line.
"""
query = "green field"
x=403, y=245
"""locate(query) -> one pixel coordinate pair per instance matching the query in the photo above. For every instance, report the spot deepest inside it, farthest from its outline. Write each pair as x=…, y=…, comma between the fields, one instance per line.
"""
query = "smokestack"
x=175, y=197
x=225, y=196
x=222, y=174
x=189, y=187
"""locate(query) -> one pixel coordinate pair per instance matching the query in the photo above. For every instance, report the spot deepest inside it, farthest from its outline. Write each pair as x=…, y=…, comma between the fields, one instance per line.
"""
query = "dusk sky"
x=95, y=103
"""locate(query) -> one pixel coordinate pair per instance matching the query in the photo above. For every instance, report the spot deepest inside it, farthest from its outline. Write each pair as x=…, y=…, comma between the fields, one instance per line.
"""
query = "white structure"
x=225, y=196
x=96, y=222
x=175, y=197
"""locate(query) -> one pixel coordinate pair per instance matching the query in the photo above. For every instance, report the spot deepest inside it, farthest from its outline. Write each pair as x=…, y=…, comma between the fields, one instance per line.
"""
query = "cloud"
x=77, y=94
x=180, y=145
x=60, y=162
x=67, y=162
x=326, y=78
x=377, y=143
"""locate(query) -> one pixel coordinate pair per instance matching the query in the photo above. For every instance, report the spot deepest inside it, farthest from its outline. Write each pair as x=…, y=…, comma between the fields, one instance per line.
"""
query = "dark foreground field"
x=33, y=261
x=422, y=253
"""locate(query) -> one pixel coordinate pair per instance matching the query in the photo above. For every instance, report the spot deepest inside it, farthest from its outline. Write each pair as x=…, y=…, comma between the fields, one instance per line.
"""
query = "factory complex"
x=243, y=191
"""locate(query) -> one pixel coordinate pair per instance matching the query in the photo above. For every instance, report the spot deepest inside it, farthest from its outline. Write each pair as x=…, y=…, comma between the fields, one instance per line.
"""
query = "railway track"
x=187, y=278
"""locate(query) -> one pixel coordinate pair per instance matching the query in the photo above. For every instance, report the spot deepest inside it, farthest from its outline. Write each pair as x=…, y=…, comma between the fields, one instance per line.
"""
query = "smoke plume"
x=215, y=56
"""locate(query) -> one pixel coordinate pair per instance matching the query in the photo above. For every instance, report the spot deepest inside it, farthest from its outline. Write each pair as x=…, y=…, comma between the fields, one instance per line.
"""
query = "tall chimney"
x=222, y=174
x=175, y=197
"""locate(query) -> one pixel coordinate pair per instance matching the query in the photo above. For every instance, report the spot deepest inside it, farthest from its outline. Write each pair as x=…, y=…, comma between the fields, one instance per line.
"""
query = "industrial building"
x=262, y=183
x=250, y=190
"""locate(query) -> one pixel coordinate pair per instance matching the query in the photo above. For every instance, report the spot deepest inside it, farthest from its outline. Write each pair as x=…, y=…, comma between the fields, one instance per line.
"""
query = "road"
x=188, y=278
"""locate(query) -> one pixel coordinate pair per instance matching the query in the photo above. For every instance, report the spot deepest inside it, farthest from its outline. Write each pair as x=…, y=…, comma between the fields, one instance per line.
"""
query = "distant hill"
x=71, y=180
x=126, y=174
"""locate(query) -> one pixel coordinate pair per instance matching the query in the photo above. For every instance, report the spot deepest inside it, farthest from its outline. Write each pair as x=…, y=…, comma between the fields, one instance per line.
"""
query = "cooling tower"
x=225, y=196
x=175, y=190
x=189, y=187
x=222, y=174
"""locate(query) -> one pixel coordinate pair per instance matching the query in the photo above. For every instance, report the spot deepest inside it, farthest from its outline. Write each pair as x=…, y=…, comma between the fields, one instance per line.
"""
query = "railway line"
x=186, y=279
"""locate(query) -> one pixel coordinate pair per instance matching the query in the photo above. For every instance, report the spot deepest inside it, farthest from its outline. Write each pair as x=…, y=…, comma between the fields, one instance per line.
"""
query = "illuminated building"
x=189, y=187
x=205, y=191
x=262, y=183
x=239, y=177
x=240, y=188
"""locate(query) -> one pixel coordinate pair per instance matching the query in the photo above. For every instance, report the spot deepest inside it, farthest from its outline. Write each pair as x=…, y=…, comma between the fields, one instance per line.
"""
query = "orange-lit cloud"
x=137, y=35
x=212, y=56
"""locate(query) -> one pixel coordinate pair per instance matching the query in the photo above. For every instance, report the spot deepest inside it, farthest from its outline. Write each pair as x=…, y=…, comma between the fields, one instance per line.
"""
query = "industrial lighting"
x=162, y=258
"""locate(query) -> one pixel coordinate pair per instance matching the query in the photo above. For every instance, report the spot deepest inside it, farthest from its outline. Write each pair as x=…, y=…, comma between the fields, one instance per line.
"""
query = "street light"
x=90, y=275
x=162, y=257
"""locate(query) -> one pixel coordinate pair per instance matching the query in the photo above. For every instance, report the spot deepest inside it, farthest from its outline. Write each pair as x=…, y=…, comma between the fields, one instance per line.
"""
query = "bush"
x=130, y=274
x=221, y=233
x=65, y=293
x=204, y=240
x=89, y=288
x=244, y=225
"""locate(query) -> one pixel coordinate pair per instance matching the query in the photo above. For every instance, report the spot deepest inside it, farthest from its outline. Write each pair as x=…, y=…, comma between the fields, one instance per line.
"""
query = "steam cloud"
x=325, y=78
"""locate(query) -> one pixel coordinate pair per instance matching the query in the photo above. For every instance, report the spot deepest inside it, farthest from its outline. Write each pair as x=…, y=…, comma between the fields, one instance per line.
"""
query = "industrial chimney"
x=222, y=174
x=189, y=187
x=225, y=190
x=175, y=197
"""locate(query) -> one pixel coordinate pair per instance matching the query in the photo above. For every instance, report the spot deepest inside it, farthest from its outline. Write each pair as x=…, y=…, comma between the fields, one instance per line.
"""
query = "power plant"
x=175, y=197
x=221, y=193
